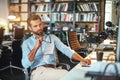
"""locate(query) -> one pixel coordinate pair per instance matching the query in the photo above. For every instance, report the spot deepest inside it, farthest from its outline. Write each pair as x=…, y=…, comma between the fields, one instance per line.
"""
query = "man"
x=39, y=52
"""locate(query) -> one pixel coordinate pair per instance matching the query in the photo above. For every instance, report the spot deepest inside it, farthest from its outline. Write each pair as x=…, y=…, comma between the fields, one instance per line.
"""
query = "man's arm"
x=69, y=52
x=32, y=53
x=77, y=57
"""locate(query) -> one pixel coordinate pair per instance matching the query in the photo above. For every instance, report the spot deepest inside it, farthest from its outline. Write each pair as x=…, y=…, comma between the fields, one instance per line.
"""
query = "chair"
x=74, y=44
x=61, y=64
x=1, y=35
x=11, y=53
x=18, y=32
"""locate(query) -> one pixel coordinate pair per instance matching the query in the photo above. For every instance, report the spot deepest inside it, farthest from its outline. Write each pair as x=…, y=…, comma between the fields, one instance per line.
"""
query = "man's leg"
x=46, y=73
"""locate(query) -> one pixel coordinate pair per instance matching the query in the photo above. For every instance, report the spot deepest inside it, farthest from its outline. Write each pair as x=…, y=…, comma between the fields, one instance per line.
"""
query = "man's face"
x=36, y=26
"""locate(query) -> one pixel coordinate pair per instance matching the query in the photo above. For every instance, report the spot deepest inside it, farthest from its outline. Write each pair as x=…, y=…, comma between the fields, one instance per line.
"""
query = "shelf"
x=20, y=9
x=76, y=12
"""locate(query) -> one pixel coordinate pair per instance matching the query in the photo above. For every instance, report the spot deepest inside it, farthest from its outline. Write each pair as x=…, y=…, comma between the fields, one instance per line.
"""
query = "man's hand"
x=39, y=41
x=86, y=62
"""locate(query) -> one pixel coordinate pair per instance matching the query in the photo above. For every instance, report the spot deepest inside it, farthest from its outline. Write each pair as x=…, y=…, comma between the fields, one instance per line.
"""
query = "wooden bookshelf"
x=20, y=9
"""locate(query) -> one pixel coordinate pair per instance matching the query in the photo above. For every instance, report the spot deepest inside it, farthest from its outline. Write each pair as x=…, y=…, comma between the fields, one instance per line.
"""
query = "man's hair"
x=33, y=17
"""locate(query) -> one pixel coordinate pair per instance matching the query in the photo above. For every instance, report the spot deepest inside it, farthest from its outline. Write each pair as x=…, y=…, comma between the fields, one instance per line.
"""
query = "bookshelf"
x=70, y=13
x=88, y=14
x=63, y=13
x=20, y=10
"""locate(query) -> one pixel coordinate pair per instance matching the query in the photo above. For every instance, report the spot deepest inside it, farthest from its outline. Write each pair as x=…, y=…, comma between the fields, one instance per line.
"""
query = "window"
x=108, y=12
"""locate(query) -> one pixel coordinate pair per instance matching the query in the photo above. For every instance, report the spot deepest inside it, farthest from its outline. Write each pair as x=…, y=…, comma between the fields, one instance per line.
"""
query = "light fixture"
x=11, y=16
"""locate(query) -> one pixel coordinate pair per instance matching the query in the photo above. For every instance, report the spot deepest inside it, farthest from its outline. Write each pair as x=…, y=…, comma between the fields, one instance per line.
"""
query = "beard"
x=39, y=33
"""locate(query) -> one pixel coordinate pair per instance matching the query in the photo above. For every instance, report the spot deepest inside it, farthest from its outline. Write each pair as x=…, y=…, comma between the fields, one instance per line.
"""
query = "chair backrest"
x=1, y=34
x=72, y=39
x=18, y=33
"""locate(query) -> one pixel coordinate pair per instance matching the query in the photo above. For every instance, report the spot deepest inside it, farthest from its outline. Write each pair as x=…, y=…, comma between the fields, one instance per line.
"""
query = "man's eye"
x=34, y=26
x=40, y=24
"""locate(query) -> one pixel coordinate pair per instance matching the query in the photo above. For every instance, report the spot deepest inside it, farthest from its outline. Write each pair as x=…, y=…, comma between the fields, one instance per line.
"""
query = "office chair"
x=1, y=35
x=74, y=44
x=18, y=33
x=1, y=39
x=8, y=53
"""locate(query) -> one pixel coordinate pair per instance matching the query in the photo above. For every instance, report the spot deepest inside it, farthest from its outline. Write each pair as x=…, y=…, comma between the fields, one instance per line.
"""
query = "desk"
x=78, y=72
x=7, y=43
x=108, y=56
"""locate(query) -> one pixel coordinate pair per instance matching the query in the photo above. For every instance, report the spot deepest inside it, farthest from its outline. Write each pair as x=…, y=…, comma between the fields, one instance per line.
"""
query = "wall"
x=115, y=13
x=4, y=14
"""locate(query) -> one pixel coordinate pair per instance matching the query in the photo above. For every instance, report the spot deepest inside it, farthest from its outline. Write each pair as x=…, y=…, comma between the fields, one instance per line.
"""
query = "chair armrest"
x=63, y=66
x=82, y=53
x=84, y=49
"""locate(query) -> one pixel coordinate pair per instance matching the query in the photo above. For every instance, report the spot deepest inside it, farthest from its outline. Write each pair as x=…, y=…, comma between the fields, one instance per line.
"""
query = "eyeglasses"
x=48, y=41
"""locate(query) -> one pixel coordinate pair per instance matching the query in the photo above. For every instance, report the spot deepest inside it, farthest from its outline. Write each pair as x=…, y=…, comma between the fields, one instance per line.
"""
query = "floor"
x=12, y=74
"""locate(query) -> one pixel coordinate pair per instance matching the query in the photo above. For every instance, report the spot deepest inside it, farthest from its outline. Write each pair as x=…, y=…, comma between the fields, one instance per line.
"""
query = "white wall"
x=4, y=14
x=115, y=13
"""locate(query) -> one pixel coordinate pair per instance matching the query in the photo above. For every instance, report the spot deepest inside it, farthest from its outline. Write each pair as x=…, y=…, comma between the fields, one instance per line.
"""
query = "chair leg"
x=26, y=74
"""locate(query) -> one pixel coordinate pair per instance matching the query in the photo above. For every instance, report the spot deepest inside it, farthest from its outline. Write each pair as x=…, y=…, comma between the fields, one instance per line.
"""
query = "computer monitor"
x=118, y=43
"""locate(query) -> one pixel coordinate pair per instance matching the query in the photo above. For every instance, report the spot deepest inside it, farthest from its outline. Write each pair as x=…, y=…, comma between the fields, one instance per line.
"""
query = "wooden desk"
x=78, y=72
x=108, y=56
